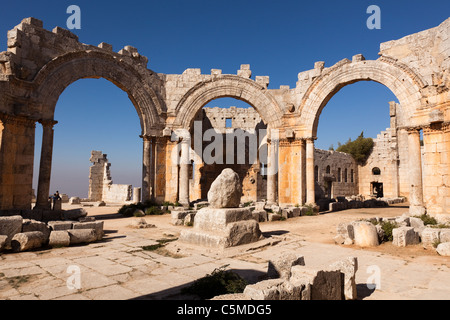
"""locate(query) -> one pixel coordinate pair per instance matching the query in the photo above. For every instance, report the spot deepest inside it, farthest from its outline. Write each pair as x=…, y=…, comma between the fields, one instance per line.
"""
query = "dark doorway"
x=377, y=189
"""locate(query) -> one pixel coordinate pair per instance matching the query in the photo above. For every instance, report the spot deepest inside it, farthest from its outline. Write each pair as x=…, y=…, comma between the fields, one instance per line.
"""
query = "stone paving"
x=120, y=268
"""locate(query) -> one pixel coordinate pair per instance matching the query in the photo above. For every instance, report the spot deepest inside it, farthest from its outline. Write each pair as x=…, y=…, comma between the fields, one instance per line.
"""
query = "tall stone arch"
x=62, y=71
x=401, y=80
x=231, y=86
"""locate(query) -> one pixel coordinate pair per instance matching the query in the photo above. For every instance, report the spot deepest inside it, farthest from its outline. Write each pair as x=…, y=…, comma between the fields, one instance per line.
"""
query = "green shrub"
x=428, y=220
x=360, y=149
x=219, y=282
x=153, y=211
x=310, y=211
x=387, y=227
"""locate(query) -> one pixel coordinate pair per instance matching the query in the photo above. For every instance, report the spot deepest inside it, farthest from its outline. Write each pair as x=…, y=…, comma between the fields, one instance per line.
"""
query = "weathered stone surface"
x=27, y=241
x=348, y=267
x=59, y=239
x=74, y=214
x=226, y=190
x=430, y=236
x=9, y=226
x=280, y=266
x=60, y=225
x=405, y=236
x=3, y=241
x=444, y=235
x=231, y=296
x=365, y=234
x=324, y=285
x=78, y=236
x=96, y=225
x=443, y=249
x=178, y=217
x=33, y=225
x=417, y=224
x=222, y=228
x=264, y=290
x=74, y=200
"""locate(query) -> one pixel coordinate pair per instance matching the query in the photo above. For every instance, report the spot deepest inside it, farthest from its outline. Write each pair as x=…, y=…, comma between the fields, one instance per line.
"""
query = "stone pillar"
x=147, y=179
x=302, y=167
x=183, y=192
x=415, y=173
x=272, y=170
x=310, y=181
x=45, y=166
x=136, y=194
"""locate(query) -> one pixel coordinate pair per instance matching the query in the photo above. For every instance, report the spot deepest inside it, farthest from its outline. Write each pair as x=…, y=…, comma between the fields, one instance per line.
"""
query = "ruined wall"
x=336, y=174
x=101, y=187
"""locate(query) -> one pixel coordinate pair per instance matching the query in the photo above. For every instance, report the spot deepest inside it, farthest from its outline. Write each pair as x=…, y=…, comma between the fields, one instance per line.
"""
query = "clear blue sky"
x=277, y=38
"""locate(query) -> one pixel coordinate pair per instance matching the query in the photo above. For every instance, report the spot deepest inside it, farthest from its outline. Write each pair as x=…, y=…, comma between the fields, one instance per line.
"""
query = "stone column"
x=146, y=168
x=45, y=166
x=302, y=167
x=310, y=181
x=416, y=206
x=183, y=193
x=272, y=171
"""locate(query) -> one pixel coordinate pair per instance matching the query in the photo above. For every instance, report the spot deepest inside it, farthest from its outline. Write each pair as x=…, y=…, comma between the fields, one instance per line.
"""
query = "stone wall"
x=336, y=174
x=101, y=187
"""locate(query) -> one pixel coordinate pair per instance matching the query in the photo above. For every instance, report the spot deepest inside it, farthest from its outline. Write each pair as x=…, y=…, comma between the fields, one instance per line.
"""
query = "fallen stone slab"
x=405, y=236
x=443, y=249
x=27, y=241
x=78, y=236
x=9, y=226
x=29, y=225
x=60, y=225
x=74, y=214
x=348, y=267
x=280, y=266
x=96, y=225
x=264, y=290
x=59, y=239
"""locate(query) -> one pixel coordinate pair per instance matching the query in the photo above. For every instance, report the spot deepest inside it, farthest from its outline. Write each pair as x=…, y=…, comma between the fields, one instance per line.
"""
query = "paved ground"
x=119, y=267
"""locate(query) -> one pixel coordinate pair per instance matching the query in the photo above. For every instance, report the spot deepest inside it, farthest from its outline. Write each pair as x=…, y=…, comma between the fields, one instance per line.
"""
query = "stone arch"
x=62, y=71
x=232, y=87
x=401, y=80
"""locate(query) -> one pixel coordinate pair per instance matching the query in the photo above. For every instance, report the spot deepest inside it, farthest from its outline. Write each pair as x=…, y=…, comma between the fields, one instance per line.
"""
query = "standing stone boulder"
x=226, y=190
x=27, y=241
x=9, y=226
x=348, y=267
x=405, y=236
x=443, y=249
x=365, y=234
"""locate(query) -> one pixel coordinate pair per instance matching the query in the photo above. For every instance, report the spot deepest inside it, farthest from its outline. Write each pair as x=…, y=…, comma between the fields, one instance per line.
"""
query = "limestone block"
x=324, y=284
x=74, y=200
x=96, y=225
x=33, y=225
x=178, y=217
x=260, y=215
x=78, y=236
x=27, y=241
x=9, y=226
x=226, y=190
x=365, y=234
x=443, y=249
x=280, y=266
x=417, y=224
x=189, y=219
x=273, y=216
x=444, y=235
x=74, y=214
x=264, y=290
x=218, y=219
x=59, y=239
x=405, y=236
x=348, y=267
x=430, y=236
x=60, y=225
x=242, y=232
x=3, y=241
